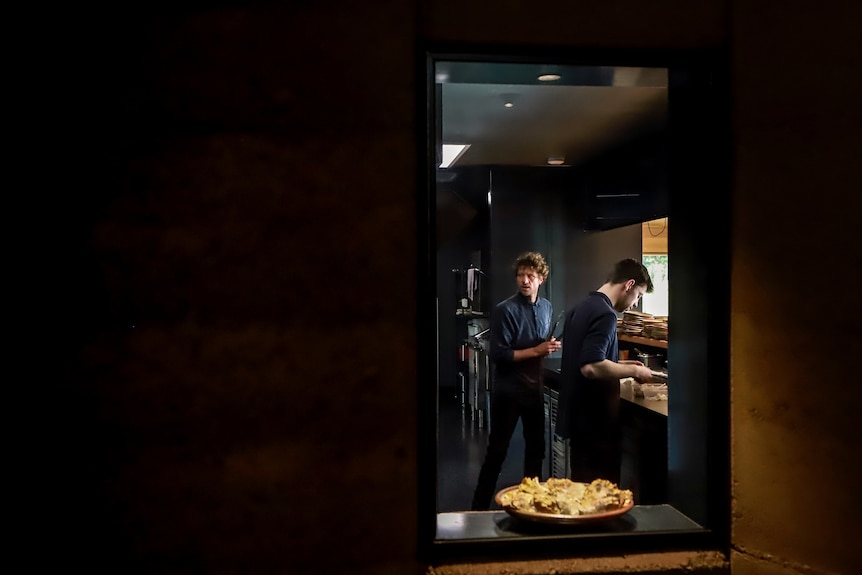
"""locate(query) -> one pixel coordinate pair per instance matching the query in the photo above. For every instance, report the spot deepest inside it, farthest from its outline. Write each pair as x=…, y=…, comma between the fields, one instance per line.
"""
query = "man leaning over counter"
x=588, y=413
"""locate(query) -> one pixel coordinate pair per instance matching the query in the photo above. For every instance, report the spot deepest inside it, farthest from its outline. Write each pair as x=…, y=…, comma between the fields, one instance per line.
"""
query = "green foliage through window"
x=656, y=303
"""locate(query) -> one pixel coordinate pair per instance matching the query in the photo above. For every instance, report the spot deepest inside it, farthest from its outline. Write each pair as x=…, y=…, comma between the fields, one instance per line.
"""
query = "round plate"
x=556, y=518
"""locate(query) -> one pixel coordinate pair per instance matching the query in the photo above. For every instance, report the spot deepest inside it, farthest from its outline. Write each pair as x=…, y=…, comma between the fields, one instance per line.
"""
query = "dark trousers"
x=506, y=408
x=595, y=449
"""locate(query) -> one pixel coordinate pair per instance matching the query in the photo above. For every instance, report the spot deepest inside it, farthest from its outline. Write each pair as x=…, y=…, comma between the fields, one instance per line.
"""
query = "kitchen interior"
x=570, y=161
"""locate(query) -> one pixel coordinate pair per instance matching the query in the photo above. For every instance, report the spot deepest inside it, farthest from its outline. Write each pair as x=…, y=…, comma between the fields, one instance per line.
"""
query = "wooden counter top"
x=658, y=406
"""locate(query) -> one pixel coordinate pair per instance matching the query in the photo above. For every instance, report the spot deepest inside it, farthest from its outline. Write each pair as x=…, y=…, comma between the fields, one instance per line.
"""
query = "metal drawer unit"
x=558, y=453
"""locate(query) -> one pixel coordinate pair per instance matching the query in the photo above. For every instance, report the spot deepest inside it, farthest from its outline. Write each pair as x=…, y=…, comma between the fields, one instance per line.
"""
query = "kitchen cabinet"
x=644, y=432
x=557, y=456
x=644, y=449
x=644, y=441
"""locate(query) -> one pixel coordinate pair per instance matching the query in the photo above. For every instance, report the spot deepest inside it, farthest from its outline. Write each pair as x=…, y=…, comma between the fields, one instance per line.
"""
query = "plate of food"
x=563, y=501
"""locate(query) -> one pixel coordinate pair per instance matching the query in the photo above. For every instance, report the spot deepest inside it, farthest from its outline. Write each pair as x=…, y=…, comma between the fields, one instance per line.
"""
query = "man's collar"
x=524, y=299
x=605, y=296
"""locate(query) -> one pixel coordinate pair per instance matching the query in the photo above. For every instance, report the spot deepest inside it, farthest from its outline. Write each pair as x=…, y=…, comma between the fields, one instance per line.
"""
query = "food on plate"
x=565, y=497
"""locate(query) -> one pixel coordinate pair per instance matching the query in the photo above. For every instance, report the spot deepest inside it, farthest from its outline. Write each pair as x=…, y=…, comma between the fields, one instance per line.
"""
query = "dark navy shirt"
x=589, y=336
x=517, y=323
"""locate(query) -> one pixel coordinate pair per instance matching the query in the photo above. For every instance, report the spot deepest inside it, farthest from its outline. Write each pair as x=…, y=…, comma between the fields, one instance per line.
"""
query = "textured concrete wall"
x=237, y=245
x=794, y=424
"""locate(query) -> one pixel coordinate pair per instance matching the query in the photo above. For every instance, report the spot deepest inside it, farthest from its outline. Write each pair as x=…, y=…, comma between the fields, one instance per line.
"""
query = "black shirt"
x=589, y=336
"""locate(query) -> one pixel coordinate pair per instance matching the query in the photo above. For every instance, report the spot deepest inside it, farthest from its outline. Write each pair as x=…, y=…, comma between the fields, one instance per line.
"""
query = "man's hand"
x=642, y=373
x=548, y=347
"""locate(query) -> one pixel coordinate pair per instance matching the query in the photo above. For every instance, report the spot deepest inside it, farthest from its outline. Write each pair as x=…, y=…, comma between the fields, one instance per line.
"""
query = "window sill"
x=474, y=534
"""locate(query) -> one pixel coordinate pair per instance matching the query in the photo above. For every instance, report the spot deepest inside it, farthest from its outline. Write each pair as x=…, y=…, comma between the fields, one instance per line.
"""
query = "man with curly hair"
x=520, y=339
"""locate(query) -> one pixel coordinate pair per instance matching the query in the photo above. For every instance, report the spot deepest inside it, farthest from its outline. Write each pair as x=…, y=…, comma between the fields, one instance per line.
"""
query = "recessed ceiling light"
x=556, y=160
x=549, y=77
x=509, y=99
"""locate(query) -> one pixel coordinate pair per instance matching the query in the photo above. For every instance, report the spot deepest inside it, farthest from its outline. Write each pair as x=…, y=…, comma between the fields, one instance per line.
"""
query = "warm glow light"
x=451, y=153
x=558, y=161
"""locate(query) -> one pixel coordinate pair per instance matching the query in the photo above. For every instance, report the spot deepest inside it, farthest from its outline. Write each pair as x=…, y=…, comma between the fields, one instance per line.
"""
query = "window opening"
x=471, y=203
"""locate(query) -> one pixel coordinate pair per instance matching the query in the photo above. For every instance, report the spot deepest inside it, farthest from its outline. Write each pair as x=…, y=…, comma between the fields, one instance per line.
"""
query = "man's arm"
x=543, y=349
x=607, y=369
x=503, y=327
x=597, y=344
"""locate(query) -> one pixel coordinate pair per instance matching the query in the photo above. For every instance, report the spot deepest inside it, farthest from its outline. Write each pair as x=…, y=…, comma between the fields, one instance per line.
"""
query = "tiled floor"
x=462, y=449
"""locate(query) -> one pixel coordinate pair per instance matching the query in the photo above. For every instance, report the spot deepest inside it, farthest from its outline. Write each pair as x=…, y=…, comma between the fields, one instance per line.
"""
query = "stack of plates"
x=643, y=324
x=633, y=322
x=656, y=331
x=655, y=327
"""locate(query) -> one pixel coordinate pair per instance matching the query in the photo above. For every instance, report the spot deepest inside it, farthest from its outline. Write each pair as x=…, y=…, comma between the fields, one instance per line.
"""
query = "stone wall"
x=235, y=236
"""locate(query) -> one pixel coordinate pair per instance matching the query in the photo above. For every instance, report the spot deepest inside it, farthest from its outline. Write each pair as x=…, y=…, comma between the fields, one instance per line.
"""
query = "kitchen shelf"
x=660, y=343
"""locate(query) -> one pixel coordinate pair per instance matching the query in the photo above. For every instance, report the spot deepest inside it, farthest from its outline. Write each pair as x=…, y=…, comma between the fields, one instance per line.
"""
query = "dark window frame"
x=699, y=201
